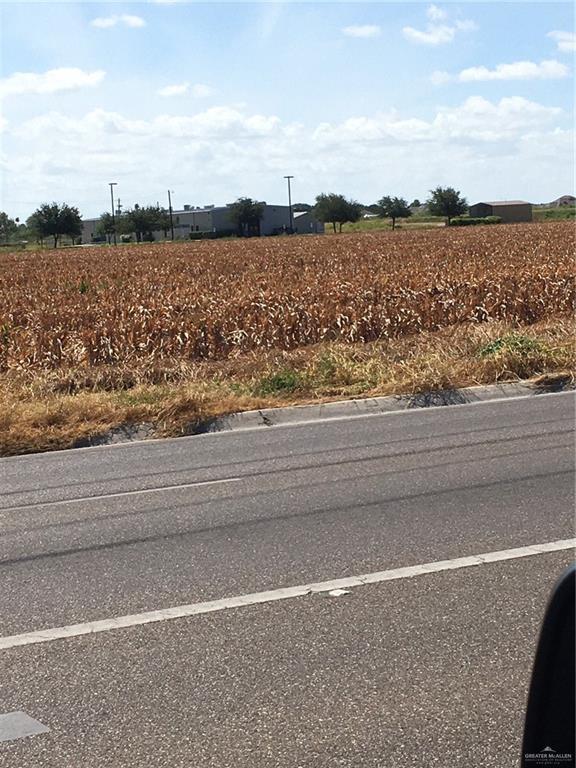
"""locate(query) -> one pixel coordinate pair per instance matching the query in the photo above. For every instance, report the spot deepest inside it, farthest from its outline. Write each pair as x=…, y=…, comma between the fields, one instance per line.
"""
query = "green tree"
x=301, y=207
x=106, y=226
x=336, y=209
x=143, y=221
x=123, y=224
x=415, y=203
x=447, y=202
x=8, y=227
x=70, y=222
x=246, y=215
x=393, y=208
x=163, y=221
x=34, y=229
x=55, y=220
x=22, y=232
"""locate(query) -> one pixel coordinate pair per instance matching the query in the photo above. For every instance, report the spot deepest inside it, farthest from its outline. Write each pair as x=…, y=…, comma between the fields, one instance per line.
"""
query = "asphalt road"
x=430, y=670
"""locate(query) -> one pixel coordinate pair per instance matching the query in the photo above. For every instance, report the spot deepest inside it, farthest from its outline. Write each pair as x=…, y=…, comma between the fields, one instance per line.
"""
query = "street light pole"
x=170, y=212
x=290, y=203
x=113, y=184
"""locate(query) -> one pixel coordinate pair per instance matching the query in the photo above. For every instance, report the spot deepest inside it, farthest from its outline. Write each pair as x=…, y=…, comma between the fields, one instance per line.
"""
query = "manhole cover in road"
x=18, y=725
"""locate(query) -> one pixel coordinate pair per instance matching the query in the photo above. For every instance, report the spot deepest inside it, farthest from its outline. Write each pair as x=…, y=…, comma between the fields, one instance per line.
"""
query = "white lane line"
x=287, y=593
x=19, y=725
x=79, y=499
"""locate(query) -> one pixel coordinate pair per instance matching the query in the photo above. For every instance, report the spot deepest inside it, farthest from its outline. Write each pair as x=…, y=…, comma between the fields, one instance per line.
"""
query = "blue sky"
x=218, y=100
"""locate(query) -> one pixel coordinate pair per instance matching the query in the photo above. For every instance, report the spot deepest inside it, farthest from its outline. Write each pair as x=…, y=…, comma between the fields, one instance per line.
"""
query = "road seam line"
x=284, y=593
x=136, y=492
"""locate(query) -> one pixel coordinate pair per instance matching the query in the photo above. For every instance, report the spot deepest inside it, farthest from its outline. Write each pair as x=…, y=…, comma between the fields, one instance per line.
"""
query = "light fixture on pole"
x=170, y=212
x=113, y=184
x=290, y=204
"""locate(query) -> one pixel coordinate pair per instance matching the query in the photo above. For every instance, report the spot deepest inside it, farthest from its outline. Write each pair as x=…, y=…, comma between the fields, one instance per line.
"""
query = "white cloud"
x=200, y=90
x=435, y=34
x=438, y=31
x=475, y=120
x=436, y=14
x=229, y=151
x=518, y=70
x=63, y=79
x=566, y=41
x=364, y=30
x=479, y=119
x=213, y=123
x=466, y=25
x=174, y=90
x=439, y=77
x=124, y=19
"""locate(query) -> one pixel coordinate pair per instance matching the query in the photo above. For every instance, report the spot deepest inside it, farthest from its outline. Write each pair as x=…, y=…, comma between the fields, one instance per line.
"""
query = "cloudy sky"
x=219, y=100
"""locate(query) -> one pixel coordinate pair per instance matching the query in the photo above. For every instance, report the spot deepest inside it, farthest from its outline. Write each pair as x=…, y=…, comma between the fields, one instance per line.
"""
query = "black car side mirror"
x=550, y=727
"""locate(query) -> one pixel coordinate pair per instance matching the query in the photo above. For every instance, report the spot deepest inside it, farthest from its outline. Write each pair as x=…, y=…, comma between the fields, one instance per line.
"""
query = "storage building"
x=508, y=210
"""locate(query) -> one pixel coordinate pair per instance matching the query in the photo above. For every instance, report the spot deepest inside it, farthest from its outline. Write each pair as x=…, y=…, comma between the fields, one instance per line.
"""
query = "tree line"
x=338, y=210
x=142, y=221
x=53, y=221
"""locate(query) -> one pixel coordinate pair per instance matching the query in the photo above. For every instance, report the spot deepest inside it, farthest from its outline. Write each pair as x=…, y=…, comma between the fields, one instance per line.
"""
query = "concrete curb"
x=342, y=409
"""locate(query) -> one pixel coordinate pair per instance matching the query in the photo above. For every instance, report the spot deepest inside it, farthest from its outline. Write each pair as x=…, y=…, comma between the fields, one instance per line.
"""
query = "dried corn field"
x=164, y=303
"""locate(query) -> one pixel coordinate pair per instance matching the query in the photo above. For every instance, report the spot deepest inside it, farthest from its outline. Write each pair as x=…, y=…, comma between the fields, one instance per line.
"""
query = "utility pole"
x=113, y=184
x=290, y=204
x=170, y=212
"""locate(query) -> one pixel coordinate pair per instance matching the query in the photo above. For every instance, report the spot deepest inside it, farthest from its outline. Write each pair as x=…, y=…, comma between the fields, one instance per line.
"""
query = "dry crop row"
x=208, y=300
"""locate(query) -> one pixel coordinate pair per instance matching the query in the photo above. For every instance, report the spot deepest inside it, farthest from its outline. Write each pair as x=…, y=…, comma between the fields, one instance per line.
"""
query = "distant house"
x=508, y=210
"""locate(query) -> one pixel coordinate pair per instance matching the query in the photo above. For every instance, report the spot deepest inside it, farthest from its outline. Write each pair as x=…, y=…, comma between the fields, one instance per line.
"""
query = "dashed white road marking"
x=288, y=593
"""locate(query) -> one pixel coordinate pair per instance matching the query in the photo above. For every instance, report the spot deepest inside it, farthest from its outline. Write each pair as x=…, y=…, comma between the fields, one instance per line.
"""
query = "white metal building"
x=216, y=220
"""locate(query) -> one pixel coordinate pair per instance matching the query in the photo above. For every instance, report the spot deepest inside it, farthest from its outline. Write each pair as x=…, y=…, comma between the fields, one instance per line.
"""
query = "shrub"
x=522, y=356
x=212, y=235
x=555, y=214
x=464, y=221
x=512, y=343
x=278, y=383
